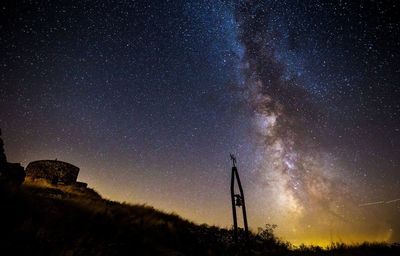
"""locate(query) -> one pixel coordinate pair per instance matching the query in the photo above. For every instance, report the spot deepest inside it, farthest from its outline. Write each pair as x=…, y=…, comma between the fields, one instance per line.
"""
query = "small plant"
x=267, y=233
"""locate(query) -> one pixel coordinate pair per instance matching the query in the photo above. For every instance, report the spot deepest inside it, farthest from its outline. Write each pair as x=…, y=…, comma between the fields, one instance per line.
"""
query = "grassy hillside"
x=45, y=220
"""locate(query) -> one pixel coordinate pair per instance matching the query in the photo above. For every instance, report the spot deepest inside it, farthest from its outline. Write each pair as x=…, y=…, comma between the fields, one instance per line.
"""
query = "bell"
x=238, y=201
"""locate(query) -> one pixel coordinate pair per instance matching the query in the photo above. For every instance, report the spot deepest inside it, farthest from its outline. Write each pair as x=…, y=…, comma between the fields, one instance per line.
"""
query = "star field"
x=149, y=98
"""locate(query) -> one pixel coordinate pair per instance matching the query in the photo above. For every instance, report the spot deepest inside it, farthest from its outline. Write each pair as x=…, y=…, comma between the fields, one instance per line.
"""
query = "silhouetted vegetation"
x=46, y=220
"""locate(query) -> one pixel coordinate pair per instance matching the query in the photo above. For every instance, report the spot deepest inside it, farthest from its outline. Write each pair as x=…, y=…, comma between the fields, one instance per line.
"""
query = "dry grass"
x=42, y=219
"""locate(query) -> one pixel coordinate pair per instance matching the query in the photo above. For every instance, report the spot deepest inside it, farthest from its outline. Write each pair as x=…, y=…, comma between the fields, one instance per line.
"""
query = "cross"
x=233, y=158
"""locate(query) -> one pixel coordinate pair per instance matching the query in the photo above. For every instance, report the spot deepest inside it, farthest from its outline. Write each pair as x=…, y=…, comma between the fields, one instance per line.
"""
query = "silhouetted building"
x=54, y=171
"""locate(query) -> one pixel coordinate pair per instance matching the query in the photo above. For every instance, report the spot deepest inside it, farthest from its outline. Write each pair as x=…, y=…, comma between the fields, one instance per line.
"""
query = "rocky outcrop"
x=53, y=171
x=11, y=174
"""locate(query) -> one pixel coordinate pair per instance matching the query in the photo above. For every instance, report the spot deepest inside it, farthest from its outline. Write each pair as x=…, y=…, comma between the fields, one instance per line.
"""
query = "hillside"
x=39, y=219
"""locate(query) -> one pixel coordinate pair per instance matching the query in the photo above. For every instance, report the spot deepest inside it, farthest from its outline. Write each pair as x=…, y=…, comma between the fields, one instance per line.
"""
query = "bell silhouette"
x=238, y=200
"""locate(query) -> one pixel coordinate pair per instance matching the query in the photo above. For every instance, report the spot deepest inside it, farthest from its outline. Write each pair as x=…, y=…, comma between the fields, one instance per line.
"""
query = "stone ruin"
x=55, y=172
x=11, y=174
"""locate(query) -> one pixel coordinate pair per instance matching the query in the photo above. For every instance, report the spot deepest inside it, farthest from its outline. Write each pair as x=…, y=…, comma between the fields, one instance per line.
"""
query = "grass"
x=40, y=219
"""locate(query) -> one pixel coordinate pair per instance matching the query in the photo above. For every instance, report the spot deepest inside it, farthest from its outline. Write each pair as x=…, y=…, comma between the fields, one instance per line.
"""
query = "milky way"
x=296, y=167
x=149, y=99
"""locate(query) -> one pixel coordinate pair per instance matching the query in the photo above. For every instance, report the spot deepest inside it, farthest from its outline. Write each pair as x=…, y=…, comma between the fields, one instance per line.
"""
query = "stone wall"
x=53, y=171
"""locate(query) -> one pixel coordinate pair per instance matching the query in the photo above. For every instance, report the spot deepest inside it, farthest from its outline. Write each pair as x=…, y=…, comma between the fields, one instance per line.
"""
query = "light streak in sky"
x=380, y=202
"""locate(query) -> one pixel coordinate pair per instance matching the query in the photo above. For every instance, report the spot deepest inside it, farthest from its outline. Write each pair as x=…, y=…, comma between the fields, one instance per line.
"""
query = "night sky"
x=149, y=98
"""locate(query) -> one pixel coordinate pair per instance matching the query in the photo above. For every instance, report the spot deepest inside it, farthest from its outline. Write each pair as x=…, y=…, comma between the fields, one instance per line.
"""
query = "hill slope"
x=45, y=220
